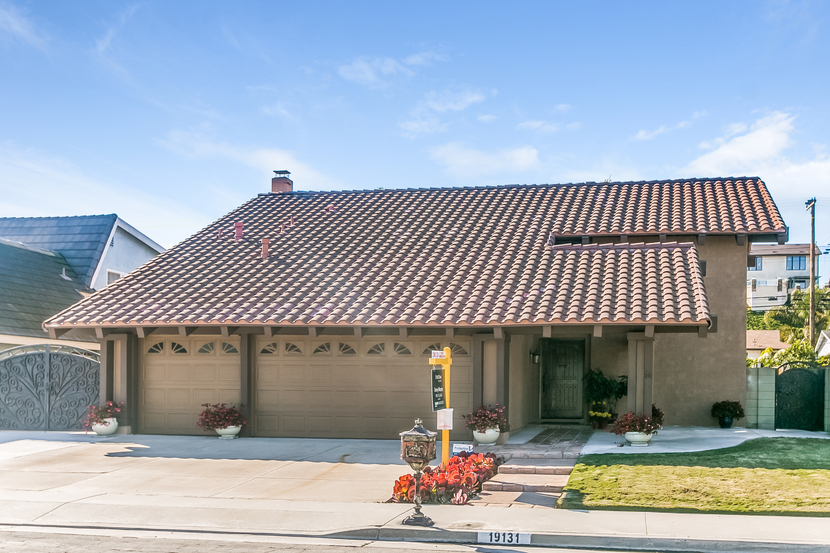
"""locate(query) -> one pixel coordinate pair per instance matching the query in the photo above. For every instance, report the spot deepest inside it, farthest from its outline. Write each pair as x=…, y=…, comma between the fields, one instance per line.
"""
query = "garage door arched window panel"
x=401, y=349
x=458, y=349
x=292, y=349
x=322, y=349
x=156, y=348
x=229, y=349
x=270, y=349
x=177, y=348
x=206, y=349
x=377, y=349
x=346, y=349
x=432, y=347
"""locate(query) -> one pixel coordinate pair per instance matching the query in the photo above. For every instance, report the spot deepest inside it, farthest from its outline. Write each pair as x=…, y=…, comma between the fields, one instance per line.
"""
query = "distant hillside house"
x=319, y=310
x=50, y=263
x=774, y=271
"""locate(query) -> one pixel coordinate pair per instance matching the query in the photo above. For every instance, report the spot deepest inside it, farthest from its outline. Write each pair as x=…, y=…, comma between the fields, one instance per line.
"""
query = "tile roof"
x=452, y=256
x=32, y=288
x=81, y=240
x=763, y=339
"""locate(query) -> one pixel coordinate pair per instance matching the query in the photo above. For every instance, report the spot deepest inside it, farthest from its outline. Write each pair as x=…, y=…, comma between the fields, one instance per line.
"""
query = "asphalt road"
x=36, y=542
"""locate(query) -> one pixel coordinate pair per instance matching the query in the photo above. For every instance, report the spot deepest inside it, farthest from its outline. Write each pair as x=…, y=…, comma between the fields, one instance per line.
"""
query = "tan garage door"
x=358, y=388
x=178, y=375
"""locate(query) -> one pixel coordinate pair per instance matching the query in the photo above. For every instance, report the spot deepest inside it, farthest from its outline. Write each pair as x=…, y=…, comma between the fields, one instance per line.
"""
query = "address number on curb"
x=504, y=537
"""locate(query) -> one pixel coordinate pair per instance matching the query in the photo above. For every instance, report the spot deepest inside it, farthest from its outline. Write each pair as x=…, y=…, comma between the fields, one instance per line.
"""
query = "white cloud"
x=373, y=72
x=699, y=114
x=453, y=99
x=198, y=145
x=424, y=58
x=543, y=127
x=463, y=162
x=103, y=45
x=486, y=118
x=14, y=25
x=575, y=126
x=35, y=184
x=563, y=108
x=649, y=135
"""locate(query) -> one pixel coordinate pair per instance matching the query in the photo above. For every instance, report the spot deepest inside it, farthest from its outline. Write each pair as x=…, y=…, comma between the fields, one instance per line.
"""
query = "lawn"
x=762, y=476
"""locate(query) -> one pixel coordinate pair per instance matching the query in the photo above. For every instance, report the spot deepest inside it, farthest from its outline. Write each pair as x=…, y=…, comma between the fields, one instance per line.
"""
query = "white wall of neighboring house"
x=766, y=292
x=823, y=343
x=126, y=250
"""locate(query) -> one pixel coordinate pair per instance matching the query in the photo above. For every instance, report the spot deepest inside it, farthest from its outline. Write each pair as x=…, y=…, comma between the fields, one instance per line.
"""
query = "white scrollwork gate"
x=47, y=387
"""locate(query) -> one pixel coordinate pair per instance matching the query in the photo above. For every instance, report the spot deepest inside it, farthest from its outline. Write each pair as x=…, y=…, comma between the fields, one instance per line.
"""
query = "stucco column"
x=503, y=381
x=640, y=372
x=247, y=364
x=119, y=377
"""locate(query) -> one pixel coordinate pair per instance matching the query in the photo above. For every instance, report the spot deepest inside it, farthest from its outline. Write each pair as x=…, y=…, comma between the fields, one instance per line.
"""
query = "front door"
x=563, y=364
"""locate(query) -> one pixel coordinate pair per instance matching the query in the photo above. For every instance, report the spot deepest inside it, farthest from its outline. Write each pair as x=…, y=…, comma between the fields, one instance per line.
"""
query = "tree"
x=793, y=318
x=800, y=350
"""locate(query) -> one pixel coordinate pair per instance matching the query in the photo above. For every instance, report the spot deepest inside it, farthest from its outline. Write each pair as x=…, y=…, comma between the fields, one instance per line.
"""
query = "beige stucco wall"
x=524, y=379
x=609, y=353
x=691, y=373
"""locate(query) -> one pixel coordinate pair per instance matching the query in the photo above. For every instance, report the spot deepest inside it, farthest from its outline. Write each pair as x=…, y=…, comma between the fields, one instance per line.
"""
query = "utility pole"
x=811, y=205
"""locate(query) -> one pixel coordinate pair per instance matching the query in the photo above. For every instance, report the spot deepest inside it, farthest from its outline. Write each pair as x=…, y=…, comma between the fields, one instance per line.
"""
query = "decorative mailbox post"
x=418, y=449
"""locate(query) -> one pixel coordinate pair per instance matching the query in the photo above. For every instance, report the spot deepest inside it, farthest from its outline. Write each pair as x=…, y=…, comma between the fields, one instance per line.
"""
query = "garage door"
x=178, y=375
x=359, y=388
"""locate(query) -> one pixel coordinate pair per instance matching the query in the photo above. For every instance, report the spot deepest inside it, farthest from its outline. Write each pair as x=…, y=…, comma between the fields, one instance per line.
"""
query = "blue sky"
x=172, y=114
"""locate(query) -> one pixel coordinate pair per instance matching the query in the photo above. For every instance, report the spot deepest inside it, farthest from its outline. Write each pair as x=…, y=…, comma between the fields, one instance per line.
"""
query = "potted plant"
x=639, y=427
x=103, y=419
x=225, y=421
x=599, y=414
x=602, y=392
x=727, y=411
x=486, y=423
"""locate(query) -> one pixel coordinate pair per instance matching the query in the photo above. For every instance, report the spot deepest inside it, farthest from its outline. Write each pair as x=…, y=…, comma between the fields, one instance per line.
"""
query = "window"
x=458, y=349
x=401, y=349
x=431, y=347
x=757, y=266
x=112, y=276
x=322, y=349
x=177, y=348
x=796, y=263
x=229, y=348
x=270, y=349
x=156, y=348
x=346, y=349
x=292, y=349
x=377, y=349
x=206, y=349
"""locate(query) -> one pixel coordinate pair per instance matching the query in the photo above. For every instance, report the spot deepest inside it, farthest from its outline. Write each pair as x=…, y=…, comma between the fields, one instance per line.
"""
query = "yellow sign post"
x=444, y=358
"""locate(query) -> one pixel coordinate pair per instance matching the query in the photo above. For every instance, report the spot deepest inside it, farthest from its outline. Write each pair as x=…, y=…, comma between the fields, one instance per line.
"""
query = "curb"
x=566, y=541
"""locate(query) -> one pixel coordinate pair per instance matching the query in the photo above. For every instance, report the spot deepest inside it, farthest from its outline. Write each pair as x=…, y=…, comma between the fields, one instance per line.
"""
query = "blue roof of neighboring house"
x=34, y=285
x=81, y=240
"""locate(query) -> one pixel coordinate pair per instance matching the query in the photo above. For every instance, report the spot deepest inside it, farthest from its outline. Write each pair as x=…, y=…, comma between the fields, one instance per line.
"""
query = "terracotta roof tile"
x=460, y=256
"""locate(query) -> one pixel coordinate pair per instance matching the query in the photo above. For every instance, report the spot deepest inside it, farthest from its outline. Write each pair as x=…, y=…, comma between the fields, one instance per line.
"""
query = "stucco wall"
x=124, y=255
x=692, y=373
x=609, y=353
x=524, y=394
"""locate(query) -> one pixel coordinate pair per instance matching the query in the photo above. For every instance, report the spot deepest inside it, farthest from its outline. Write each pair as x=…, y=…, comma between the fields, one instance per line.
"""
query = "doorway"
x=563, y=366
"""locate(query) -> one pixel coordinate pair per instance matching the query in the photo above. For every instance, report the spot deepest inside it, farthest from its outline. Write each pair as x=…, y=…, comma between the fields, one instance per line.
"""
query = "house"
x=758, y=341
x=50, y=263
x=319, y=310
x=774, y=271
x=823, y=343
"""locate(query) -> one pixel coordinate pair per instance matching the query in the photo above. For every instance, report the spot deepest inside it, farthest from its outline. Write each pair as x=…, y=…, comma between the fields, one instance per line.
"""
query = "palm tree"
x=793, y=318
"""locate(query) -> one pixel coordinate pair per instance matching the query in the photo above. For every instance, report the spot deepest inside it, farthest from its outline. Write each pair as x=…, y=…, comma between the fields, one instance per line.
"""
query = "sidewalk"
x=315, y=488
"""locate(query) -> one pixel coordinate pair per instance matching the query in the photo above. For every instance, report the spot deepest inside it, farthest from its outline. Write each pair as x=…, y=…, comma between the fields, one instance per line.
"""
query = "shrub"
x=732, y=409
x=98, y=415
x=599, y=388
x=486, y=417
x=457, y=482
x=640, y=422
x=219, y=416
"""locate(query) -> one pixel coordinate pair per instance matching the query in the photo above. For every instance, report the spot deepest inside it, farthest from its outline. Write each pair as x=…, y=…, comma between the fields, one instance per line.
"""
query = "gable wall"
x=124, y=255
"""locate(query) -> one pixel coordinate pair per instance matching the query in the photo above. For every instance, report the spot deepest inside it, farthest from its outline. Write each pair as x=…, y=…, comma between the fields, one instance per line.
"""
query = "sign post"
x=444, y=359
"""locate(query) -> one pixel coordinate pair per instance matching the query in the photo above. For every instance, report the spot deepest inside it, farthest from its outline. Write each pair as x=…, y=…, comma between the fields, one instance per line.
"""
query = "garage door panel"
x=154, y=373
x=268, y=373
x=180, y=397
x=230, y=372
x=267, y=397
x=153, y=397
x=201, y=397
x=318, y=375
x=292, y=373
x=153, y=423
x=345, y=399
x=268, y=424
x=205, y=373
x=180, y=372
x=229, y=396
x=184, y=423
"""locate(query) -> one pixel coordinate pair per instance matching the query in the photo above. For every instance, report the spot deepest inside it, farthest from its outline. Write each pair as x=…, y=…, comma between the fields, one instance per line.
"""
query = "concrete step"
x=526, y=483
x=514, y=468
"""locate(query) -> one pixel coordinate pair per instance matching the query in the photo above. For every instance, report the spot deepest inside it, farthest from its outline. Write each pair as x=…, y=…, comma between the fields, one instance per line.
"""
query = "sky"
x=172, y=114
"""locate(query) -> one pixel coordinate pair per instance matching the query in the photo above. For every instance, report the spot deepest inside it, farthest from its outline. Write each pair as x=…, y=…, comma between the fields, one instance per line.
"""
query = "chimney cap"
x=282, y=173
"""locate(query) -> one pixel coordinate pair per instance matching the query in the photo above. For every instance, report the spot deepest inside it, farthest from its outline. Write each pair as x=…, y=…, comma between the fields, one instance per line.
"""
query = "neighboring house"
x=100, y=248
x=774, y=271
x=50, y=263
x=757, y=341
x=318, y=310
x=823, y=343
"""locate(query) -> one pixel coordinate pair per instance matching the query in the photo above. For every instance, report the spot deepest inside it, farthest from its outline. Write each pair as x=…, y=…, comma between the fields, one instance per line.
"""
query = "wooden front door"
x=563, y=364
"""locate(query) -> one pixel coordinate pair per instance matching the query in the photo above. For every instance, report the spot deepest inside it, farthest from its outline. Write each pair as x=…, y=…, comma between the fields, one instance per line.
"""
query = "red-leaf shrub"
x=457, y=482
x=219, y=416
x=98, y=415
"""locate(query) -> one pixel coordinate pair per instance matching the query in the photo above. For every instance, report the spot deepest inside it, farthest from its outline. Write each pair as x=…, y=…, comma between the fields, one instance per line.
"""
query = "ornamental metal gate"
x=47, y=387
x=799, y=396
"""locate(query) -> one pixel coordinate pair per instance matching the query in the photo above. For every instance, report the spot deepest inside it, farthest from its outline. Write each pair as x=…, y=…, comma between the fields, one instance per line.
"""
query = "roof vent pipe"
x=281, y=183
x=265, y=242
x=237, y=226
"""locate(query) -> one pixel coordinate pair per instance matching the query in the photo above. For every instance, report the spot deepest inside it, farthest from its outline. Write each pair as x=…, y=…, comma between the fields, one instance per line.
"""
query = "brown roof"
x=763, y=339
x=784, y=249
x=454, y=256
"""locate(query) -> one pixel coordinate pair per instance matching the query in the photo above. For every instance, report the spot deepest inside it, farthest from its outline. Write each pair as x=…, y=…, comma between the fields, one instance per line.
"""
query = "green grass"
x=762, y=476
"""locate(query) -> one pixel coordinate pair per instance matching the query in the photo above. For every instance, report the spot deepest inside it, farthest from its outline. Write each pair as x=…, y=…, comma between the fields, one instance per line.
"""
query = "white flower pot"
x=489, y=436
x=109, y=427
x=228, y=433
x=637, y=439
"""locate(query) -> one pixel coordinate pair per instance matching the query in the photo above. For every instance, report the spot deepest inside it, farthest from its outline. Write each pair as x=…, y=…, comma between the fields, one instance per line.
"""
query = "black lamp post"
x=418, y=449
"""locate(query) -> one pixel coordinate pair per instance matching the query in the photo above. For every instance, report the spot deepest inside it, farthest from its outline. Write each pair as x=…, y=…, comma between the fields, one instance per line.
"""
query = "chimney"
x=238, y=230
x=281, y=182
x=265, y=242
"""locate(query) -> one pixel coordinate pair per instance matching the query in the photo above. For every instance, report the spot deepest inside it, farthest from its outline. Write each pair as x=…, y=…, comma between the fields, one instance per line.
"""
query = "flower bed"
x=456, y=483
